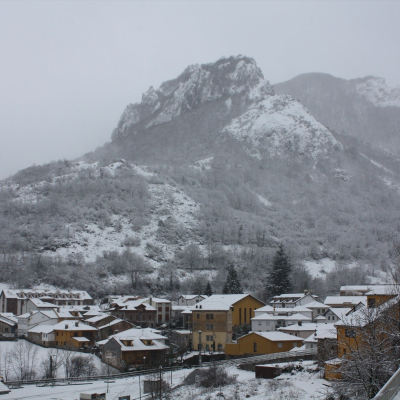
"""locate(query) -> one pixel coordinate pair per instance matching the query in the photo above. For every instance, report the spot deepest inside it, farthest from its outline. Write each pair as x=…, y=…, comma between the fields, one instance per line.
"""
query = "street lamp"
x=160, y=382
x=200, y=360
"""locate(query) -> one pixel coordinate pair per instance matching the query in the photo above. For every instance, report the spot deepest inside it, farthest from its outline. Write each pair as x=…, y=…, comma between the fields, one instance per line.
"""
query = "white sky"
x=68, y=69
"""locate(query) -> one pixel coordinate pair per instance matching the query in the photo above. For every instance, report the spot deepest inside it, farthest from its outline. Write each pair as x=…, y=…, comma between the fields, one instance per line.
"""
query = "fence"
x=390, y=389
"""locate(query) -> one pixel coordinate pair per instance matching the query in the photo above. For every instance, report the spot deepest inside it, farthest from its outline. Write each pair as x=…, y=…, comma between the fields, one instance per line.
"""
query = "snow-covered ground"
x=42, y=354
x=318, y=269
x=294, y=386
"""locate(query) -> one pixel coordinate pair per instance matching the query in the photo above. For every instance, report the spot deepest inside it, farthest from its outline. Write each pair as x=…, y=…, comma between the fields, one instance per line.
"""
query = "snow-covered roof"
x=81, y=309
x=183, y=332
x=192, y=296
x=300, y=309
x=27, y=315
x=9, y=315
x=323, y=331
x=384, y=290
x=42, y=304
x=49, y=314
x=134, y=304
x=137, y=335
x=81, y=339
x=291, y=295
x=340, y=312
x=272, y=317
x=219, y=302
x=29, y=293
x=97, y=318
x=7, y=321
x=365, y=316
x=266, y=308
x=299, y=328
x=316, y=304
x=73, y=325
x=156, y=300
x=42, y=329
x=340, y=300
x=275, y=336
x=320, y=318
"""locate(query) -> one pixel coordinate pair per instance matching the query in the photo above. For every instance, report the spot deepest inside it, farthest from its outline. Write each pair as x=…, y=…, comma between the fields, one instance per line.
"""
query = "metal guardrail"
x=390, y=389
x=235, y=361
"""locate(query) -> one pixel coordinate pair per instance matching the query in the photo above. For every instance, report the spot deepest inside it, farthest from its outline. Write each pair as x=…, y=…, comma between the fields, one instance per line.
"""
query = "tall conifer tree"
x=208, y=291
x=232, y=284
x=279, y=281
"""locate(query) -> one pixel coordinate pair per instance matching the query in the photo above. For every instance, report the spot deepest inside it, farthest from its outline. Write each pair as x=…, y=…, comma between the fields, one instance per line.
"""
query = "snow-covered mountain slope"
x=282, y=125
x=365, y=108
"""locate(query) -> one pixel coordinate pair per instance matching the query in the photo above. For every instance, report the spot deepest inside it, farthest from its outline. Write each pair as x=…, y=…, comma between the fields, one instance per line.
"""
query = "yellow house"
x=354, y=332
x=214, y=318
x=74, y=334
x=262, y=343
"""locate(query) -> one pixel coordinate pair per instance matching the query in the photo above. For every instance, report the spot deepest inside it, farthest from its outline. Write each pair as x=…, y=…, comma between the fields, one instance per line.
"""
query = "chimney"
x=66, y=326
x=77, y=323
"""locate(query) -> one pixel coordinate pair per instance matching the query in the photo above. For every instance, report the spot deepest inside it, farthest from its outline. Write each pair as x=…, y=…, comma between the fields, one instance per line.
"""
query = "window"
x=166, y=308
x=351, y=333
x=245, y=315
x=160, y=309
x=209, y=338
x=211, y=327
x=280, y=345
x=207, y=327
x=211, y=316
x=198, y=316
x=255, y=347
x=371, y=303
x=259, y=323
x=240, y=316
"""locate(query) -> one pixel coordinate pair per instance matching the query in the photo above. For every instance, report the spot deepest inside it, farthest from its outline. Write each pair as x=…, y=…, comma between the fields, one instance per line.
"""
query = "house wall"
x=65, y=338
x=263, y=326
x=243, y=310
x=245, y=345
x=220, y=331
x=144, y=319
x=5, y=328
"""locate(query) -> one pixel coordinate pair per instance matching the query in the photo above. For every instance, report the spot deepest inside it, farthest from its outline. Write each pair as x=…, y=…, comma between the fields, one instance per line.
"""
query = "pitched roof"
x=219, y=302
x=42, y=329
x=272, y=317
x=275, y=336
x=24, y=293
x=339, y=300
x=73, y=325
x=299, y=328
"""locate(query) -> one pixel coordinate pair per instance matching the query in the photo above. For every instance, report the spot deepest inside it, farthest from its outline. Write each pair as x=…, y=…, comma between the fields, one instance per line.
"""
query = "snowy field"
x=40, y=354
x=294, y=386
x=318, y=269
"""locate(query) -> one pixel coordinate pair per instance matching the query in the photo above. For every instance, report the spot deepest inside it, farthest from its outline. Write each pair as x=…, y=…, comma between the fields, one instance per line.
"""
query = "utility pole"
x=200, y=360
x=160, y=382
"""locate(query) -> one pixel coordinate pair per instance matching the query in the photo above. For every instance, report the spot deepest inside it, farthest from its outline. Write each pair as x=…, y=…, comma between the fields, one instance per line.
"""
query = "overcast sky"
x=68, y=69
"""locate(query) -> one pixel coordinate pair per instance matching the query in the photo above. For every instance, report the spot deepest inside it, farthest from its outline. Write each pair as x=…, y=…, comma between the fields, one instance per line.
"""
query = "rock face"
x=189, y=117
x=365, y=108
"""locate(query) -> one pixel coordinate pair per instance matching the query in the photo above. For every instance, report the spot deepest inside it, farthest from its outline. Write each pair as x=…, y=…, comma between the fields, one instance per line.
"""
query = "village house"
x=336, y=314
x=344, y=301
x=300, y=330
x=31, y=319
x=74, y=334
x=134, y=347
x=271, y=322
x=33, y=304
x=163, y=307
x=291, y=300
x=14, y=300
x=213, y=319
x=136, y=312
x=262, y=343
x=352, y=330
x=108, y=325
x=190, y=299
x=43, y=335
x=8, y=325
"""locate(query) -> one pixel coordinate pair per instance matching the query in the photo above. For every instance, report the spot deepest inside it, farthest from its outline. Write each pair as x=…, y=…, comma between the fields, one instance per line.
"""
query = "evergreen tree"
x=208, y=291
x=232, y=284
x=279, y=281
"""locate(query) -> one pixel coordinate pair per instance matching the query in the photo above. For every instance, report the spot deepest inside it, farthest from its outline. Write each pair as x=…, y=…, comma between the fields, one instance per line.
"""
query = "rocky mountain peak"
x=198, y=84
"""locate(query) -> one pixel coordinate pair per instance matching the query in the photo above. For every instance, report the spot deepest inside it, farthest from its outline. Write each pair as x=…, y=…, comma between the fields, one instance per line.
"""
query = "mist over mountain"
x=365, y=108
x=212, y=168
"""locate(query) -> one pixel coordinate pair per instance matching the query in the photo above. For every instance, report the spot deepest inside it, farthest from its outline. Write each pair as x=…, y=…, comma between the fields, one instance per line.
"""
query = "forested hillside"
x=211, y=169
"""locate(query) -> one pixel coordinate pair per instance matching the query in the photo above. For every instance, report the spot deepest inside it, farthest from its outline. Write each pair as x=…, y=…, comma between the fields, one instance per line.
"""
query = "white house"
x=190, y=299
x=270, y=322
